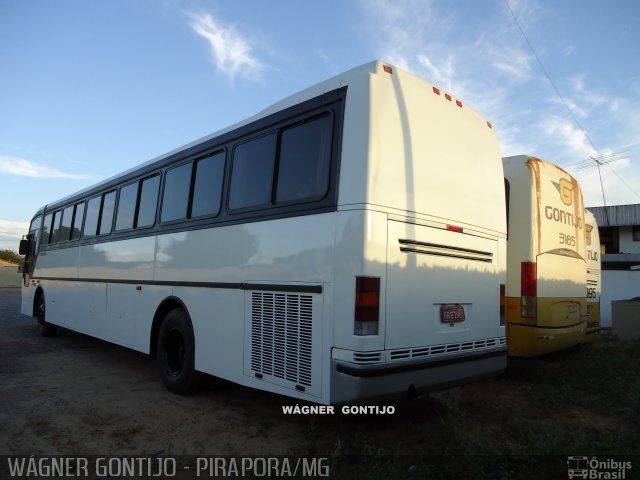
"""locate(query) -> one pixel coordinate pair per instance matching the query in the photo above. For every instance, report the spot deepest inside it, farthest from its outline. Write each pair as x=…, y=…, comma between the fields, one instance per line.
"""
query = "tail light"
x=367, y=312
x=502, y=302
x=528, y=290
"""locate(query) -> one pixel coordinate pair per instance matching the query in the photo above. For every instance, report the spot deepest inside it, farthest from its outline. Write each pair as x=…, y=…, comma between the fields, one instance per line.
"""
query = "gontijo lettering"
x=561, y=216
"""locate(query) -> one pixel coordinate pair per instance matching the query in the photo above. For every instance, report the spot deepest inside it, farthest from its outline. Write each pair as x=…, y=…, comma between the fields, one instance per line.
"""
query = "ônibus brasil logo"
x=592, y=468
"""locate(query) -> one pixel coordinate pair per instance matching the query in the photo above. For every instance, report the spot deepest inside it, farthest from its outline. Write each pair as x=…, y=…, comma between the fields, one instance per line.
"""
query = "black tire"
x=175, y=354
x=40, y=308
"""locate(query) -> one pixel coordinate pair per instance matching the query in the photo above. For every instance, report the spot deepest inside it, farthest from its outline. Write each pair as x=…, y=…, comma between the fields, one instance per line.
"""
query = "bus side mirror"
x=24, y=246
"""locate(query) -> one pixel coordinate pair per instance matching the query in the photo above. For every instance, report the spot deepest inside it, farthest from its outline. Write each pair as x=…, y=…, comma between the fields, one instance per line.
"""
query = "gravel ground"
x=75, y=395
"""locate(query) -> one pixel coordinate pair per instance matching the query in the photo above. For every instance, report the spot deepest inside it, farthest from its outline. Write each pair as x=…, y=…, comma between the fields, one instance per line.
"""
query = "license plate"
x=451, y=313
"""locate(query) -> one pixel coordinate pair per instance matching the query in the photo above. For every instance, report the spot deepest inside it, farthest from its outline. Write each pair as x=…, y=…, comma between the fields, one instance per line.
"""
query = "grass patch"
x=523, y=424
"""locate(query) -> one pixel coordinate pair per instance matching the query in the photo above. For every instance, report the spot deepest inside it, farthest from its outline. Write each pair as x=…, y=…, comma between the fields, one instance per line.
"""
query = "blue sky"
x=90, y=89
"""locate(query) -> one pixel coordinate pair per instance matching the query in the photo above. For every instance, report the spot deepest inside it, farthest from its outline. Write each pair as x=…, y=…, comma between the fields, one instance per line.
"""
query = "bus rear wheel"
x=40, y=309
x=175, y=354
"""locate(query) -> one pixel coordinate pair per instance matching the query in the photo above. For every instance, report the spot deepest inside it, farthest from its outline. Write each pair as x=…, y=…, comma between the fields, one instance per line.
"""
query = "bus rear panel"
x=423, y=211
x=546, y=274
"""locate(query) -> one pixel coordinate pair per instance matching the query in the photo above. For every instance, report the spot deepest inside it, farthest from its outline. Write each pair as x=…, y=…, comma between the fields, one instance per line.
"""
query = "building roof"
x=618, y=215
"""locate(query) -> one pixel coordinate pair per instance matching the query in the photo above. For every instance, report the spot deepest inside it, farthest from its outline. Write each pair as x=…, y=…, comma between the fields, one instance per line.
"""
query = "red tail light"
x=367, y=311
x=529, y=279
x=528, y=289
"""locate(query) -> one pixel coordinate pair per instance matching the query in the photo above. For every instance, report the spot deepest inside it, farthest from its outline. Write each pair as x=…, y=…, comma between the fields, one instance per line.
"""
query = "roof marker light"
x=436, y=90
x=459, y=103
x=447, y=96
x=489, y=124
x=387, y=68
x=453, y=228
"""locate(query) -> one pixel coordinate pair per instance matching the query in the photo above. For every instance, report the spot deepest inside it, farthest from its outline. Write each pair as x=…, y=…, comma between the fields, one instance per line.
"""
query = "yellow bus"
x=546, y=307
x=594, y=279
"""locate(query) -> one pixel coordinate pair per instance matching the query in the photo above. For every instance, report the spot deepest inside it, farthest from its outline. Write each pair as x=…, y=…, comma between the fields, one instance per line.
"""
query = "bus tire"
x=39, y=310
x=175, y=354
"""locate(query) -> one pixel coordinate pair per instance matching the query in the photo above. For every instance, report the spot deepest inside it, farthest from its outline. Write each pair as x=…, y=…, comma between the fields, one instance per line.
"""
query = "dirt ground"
x=78, y=396
x=74, y=395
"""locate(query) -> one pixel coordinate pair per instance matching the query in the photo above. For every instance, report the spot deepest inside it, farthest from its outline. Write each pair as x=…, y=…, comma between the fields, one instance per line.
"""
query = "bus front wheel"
x=175, y=354
x=40, y=308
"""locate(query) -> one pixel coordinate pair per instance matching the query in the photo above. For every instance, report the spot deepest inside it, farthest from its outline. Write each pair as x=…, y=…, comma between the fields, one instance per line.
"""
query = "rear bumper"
x=531, y=340
x=353, y=383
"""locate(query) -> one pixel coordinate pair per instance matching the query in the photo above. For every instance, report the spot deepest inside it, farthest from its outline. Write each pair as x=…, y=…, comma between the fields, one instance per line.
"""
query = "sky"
x=89, y=89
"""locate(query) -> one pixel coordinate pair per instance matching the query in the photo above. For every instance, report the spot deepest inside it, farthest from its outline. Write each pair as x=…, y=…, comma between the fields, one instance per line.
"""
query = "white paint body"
x=412, y=162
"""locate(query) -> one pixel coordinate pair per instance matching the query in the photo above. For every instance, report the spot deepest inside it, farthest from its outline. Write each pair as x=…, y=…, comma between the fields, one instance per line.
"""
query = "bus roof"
x=358, y=77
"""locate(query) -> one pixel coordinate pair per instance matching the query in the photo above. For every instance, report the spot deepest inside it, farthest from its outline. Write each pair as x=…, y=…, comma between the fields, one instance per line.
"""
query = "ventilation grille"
x=281, y=336
x=447, y=348
x=367, y=357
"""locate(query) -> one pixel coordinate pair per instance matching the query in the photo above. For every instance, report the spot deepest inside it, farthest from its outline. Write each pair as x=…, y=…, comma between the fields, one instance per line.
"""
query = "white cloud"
x=26, y=168
x=232, y=53
x=490, y=67
x=513, y=62
x=10, y=234
x=443, y=74
x=565, y=133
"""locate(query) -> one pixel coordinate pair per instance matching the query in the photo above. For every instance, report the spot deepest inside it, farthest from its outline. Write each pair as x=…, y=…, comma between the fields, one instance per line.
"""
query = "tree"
x=11, y=256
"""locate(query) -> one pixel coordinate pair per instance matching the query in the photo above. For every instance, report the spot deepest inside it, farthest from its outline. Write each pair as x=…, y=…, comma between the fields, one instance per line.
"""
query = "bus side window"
x=93, y=214
x=46, y=228
x=35, y=230
x=252, y=173
x=207, y=187
x=127, y=206
x=303, y=165
x=148, y=204
x=106, y=217
x=55, y=226
x=65, y=228
x=175, y=197
x=78, y=214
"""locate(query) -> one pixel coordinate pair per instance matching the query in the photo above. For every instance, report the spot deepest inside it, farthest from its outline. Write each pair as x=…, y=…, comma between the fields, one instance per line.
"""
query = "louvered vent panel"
x=281, y=334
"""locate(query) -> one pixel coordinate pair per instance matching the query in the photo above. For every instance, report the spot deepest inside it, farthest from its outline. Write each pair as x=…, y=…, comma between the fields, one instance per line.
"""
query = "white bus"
x=594, y=278
x=347, y=243
x=546, y=259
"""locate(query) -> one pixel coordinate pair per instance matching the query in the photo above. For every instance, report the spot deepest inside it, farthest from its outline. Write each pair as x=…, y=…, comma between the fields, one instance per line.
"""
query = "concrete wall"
x=617, y=285
x=627, y=245
x=9, y=277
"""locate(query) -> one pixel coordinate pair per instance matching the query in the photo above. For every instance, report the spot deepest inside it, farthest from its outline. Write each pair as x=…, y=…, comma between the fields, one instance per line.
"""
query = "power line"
x=564, y=102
